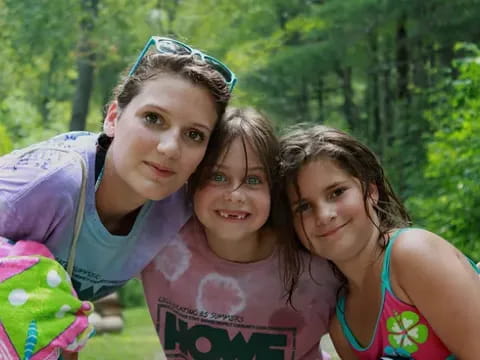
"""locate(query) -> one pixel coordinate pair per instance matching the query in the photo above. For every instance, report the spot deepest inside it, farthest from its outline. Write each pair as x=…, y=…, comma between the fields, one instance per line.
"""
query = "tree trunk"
x=402, y=60
x=46, y=87
x=373, y=84
x=169, y=7
x=321, y=100
x=85, y=66
x=303, y=113
x=349, y=108
x=387, y=133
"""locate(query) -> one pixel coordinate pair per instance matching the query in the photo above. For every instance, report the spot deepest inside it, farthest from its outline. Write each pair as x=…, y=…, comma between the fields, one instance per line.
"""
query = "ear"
x=110, y=121
x=373, y=194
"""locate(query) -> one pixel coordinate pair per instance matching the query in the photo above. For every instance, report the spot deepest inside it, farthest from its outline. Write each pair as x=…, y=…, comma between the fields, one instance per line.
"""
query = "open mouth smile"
x=233, y=215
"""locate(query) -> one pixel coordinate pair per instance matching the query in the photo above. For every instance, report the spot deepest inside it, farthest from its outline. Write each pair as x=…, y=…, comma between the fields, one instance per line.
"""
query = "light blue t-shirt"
x=38, y=195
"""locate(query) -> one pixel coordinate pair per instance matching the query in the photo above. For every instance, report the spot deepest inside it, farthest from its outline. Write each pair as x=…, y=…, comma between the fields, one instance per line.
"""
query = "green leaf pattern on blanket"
x=23, y=299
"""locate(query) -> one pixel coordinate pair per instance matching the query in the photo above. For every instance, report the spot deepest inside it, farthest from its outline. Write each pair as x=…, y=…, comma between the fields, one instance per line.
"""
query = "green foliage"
x=5, y=142
x=378, y=68
x=450, y=204
x=131, y=295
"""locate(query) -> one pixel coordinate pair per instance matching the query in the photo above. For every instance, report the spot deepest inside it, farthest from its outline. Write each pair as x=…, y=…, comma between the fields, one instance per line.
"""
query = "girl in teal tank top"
x=408, y=293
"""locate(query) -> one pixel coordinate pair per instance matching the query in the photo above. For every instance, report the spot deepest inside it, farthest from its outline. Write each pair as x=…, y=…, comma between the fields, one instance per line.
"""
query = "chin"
x=158, y=192
x=149, y=194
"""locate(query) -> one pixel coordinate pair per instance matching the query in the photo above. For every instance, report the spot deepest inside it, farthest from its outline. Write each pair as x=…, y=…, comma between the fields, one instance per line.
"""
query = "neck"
x=252, y=248
x=117, y=212
x=358, y=268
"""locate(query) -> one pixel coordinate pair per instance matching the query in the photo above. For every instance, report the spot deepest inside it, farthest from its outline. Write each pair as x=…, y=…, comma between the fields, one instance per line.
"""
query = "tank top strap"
x=340, y=307
x=386, y=261
x=340, y=312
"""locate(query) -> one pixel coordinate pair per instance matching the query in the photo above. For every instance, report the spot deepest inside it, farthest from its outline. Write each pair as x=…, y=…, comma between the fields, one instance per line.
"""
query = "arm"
x=34, y=201
x=339, y=341
x=438, y=280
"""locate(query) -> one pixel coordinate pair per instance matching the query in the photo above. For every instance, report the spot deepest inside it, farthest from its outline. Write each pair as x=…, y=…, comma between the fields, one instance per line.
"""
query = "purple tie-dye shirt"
x=38, y=196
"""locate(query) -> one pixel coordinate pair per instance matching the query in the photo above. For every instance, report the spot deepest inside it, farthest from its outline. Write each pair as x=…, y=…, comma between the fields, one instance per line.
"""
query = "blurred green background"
x=402, y=75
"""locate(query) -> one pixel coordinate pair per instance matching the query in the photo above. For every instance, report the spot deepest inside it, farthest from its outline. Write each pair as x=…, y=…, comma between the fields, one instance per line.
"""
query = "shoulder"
x=439, y=281
x=418, y=247
x=422, y=257
x=51, y=166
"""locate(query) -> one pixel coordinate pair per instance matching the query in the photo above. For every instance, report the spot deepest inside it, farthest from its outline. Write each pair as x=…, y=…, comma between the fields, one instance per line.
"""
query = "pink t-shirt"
x=205, y=307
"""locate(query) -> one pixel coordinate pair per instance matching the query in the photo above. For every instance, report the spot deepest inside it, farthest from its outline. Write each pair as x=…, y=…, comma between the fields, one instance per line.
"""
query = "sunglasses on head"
x=170, y=46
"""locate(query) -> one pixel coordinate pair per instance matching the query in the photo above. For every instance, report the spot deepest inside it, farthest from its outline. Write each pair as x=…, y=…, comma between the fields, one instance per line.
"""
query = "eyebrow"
x=253, y=168
x=161, y=109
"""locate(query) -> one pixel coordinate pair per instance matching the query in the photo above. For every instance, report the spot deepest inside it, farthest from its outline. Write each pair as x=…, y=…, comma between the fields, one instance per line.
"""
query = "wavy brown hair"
x=189, y=67
x=306, y=143
x=254, y=128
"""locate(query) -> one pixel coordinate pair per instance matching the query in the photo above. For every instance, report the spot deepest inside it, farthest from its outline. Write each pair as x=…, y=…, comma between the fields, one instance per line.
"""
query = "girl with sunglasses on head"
x=216, y=291
x=408, y=293
x=156, y=131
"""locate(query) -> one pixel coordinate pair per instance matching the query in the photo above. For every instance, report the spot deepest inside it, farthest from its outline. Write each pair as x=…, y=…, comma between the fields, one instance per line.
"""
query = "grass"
x=138, y=340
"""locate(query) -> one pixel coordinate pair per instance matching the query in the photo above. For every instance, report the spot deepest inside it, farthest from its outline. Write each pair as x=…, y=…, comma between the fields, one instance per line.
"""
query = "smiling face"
x=330, y=217
x=159, y=138
x=235, y=200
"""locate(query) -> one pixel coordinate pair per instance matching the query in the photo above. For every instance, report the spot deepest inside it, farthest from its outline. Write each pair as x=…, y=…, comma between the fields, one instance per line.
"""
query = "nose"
x=236, y=195
x=169, y=144
x=325, y=213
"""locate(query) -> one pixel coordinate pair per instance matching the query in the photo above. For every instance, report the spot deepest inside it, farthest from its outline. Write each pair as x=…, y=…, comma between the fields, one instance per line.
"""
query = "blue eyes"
x=217, y=177
x=249, y=179
x=253, y=180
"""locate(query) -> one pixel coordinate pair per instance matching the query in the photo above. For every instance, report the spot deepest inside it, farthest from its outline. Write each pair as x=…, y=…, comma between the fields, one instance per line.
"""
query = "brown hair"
x=250, y=126
x=304, y=144
x=189, y=67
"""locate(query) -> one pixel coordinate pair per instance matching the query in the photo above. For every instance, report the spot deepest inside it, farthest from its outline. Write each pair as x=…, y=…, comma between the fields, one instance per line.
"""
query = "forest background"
x=402, y=75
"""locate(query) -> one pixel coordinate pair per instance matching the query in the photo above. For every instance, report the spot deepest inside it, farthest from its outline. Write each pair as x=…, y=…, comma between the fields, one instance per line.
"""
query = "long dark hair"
x=304, y=144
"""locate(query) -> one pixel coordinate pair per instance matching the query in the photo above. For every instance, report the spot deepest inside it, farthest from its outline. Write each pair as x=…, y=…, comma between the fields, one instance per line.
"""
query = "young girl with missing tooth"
x=400, y=300
x=216, y=291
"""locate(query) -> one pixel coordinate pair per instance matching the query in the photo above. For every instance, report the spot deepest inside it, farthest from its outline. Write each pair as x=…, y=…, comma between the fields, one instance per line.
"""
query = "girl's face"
x=235, y=201
x=160, y=137
x=330, y=217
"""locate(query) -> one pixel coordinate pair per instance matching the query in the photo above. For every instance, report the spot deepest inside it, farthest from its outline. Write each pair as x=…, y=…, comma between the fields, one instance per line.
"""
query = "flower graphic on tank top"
x=220, y=294
x=405, y=332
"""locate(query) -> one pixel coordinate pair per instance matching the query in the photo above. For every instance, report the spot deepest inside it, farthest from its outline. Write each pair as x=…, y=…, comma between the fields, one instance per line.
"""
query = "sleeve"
x=37, y=194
